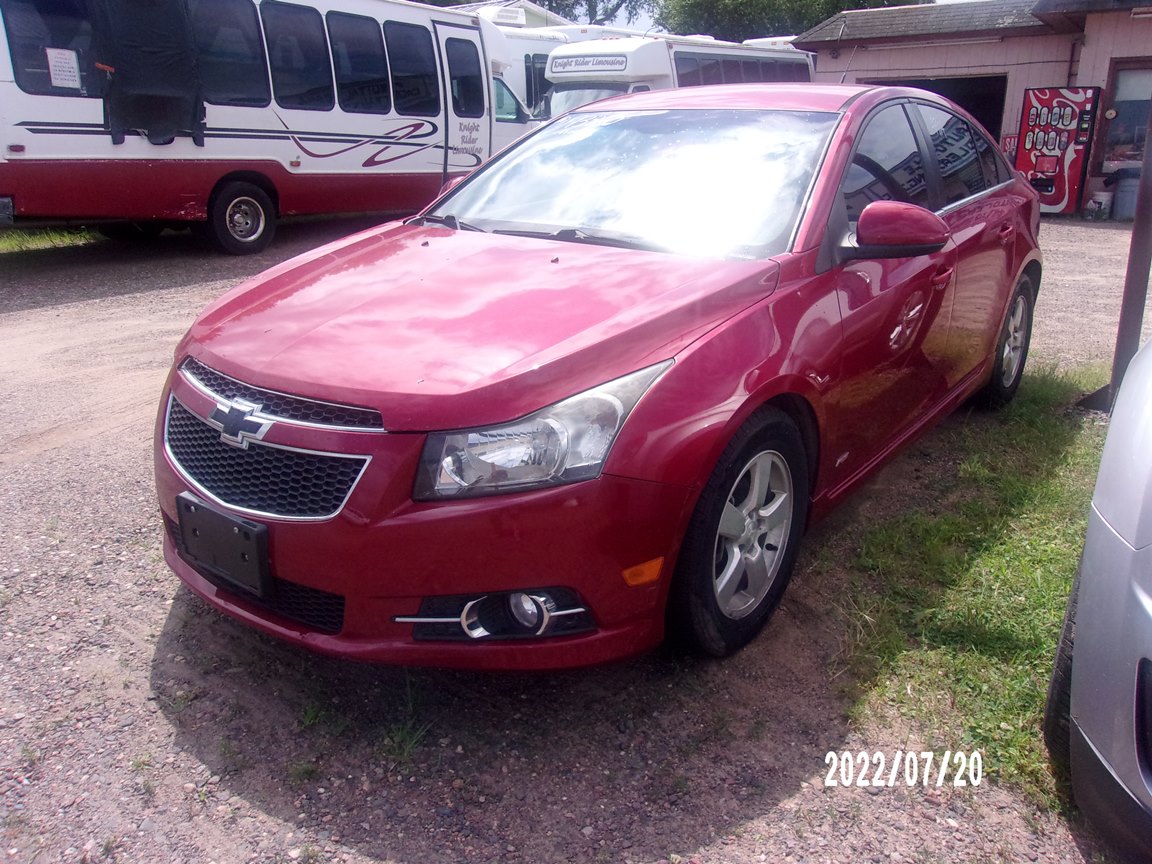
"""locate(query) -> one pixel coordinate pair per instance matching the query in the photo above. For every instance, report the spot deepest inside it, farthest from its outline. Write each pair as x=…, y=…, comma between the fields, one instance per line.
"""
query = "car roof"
x=786, y=97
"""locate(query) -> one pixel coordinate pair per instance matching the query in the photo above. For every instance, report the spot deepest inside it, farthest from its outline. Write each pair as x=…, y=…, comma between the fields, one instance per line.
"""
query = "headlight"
x=563, y=443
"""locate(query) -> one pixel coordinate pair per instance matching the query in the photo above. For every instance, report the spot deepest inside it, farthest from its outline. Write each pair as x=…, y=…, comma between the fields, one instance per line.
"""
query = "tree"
x=737, y=20
x=599, y=11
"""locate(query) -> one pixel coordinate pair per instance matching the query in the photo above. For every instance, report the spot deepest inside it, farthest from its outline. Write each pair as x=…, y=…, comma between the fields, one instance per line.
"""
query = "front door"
x=467, y=119
x=895, y=313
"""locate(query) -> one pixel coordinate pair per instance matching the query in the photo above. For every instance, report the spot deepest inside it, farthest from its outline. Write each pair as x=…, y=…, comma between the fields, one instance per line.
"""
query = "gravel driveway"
x=138, y=725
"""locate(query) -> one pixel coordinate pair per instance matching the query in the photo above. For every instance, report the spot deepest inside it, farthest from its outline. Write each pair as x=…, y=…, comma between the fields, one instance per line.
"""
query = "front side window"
x=230, y=52
x=415, y=85
x=298, y=56
x=507, y=108
x=50, y=43
x=617, y=178
x=466, y=78
x=886, y=165
x=956, y=154
x=359, y=62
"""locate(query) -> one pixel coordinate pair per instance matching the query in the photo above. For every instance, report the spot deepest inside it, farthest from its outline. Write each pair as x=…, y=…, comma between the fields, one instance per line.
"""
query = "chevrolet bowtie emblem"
x=236, y=424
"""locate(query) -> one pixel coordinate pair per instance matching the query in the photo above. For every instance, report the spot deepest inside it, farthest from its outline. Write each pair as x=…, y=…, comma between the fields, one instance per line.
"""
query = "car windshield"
x=723, y=183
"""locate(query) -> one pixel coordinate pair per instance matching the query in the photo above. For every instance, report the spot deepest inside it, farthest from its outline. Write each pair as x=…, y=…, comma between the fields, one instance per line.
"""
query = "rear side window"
x=886, y=166
x=359, y=63
x=466, y=78
x=50, y=43
x=230, y=52
x=298, y=56
x=956, y=154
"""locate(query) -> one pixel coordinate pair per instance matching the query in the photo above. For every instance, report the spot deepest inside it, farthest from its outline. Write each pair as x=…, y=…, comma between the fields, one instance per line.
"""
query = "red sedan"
x=595, y=393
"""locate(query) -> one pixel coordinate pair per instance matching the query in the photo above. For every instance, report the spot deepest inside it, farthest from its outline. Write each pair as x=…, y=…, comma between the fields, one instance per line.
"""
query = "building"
x=986, y=54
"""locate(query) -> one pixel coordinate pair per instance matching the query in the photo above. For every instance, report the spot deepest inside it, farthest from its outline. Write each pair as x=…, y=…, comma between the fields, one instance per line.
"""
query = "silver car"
x=1098, y=718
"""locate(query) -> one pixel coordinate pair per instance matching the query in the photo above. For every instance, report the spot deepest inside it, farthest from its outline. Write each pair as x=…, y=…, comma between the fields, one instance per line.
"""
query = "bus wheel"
x=240, y=219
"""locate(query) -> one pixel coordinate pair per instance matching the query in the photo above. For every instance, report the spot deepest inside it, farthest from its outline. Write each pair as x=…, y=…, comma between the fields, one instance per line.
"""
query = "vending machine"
x=1052, y=147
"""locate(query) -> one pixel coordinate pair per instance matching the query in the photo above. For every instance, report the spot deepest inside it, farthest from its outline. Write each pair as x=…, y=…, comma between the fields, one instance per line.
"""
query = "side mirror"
x=451, y=184
x=893, y=229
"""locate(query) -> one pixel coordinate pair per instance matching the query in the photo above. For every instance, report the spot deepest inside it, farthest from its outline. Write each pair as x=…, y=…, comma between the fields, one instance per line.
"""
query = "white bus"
x=586, y=71
x=227, y=114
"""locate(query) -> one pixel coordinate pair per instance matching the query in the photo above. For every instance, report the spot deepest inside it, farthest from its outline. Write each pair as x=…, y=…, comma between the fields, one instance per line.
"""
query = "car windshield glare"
x=722, y=183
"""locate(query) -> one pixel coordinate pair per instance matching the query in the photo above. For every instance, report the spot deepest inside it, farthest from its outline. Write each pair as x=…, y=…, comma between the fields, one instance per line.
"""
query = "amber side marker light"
x=643, y=574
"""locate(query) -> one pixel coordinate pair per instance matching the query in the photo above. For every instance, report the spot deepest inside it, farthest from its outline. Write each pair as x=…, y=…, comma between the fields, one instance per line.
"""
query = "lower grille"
x=318, y=610
x=262, y=479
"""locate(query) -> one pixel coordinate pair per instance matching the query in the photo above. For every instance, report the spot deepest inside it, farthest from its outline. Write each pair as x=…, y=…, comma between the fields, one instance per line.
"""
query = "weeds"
x=953, y=613
x=16, y=240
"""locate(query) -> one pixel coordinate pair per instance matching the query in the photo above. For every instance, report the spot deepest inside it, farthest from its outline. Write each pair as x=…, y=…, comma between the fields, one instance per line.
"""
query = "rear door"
x=467, y=120
x=983, y=215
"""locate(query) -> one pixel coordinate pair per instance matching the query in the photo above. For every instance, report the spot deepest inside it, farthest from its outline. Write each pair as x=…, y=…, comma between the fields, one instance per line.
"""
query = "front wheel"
x=1058, y=705
x=741, y=543
x=241, y=220
x=1011, y=348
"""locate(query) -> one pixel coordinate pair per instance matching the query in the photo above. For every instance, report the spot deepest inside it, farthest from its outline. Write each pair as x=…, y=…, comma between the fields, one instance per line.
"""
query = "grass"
x=955, y=609
x=29, y=239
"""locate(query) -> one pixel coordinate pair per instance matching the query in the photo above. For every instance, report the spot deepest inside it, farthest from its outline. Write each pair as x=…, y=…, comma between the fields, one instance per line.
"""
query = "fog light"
x=525, y=610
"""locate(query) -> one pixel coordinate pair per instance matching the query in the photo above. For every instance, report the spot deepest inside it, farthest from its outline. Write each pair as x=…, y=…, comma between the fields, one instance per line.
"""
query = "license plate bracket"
x=233, y=550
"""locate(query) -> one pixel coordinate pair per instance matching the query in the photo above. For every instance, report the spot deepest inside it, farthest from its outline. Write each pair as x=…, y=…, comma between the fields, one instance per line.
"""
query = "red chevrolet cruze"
x=595, y=393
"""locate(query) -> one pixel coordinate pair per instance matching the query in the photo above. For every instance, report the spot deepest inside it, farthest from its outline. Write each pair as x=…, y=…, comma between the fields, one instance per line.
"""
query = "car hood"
x=441, y=329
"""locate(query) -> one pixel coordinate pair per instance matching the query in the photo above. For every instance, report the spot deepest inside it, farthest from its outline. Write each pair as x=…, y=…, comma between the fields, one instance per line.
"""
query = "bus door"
x=467, y=120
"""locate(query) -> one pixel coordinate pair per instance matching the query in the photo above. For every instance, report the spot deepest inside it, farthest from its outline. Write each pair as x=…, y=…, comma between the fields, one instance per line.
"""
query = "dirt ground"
x=137, y=725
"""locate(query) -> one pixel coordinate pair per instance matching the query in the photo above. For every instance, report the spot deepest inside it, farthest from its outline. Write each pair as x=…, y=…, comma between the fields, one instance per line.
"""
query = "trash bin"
x=1124, y=201
x=1099, y=206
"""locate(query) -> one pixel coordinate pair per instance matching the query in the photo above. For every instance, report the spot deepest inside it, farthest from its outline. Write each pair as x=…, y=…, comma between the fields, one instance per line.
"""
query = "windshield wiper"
x=580, y=235
x=452, y=222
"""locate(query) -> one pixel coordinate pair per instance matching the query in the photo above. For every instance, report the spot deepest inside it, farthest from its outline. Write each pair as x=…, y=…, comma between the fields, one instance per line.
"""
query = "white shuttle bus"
x=228, y=114
x=586, y=71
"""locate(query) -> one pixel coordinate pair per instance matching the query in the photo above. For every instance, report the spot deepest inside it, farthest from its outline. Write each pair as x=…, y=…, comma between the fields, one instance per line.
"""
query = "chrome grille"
x=281, y=405
x=262, y=479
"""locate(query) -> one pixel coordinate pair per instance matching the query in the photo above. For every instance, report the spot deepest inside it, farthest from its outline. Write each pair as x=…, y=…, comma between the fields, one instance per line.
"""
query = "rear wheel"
x=742, y=540
x=1011, y=348
x=241, y=220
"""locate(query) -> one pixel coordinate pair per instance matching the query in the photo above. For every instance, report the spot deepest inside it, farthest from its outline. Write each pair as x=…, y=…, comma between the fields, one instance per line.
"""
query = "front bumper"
x=348, y=584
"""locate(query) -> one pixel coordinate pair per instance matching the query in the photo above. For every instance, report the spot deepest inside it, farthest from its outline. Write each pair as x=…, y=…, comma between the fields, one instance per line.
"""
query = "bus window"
x=794, y=70
x=466, y=78
x=710, y=71
x=230, y=52
x=415, y=86
x=359, y=62
x=751, y=70
x=687, y=71
x=536, y=83
x=298, y=56
x=51, y=48
x=732, y=73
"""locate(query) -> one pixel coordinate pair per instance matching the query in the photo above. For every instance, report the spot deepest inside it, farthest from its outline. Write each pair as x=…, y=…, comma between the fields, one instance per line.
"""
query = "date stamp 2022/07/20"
x=904, y=768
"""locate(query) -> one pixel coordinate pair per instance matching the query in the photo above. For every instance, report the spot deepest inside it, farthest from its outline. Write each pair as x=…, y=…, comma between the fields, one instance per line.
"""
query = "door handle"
x=1006, y=233
x=942, y=277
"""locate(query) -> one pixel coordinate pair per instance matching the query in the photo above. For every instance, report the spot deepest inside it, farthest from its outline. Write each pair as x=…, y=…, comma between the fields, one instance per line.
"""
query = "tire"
x=741, y=543
x=131, y=232
x=1011, y=348
x=241, y=220
x=1058, y=705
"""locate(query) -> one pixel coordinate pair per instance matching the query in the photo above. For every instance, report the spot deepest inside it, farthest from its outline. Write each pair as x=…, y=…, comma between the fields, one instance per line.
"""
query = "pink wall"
x=1108, y=36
